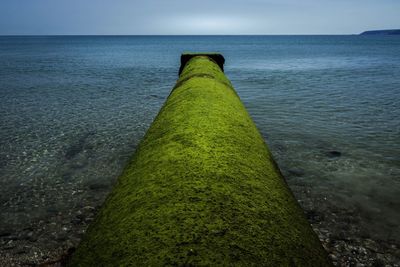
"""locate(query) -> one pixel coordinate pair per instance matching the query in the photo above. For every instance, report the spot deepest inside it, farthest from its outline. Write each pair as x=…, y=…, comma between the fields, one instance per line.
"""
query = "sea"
x=74, y=108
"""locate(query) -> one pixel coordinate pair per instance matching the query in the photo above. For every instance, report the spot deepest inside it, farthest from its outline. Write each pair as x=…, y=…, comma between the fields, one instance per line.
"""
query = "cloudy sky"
x=197, y=17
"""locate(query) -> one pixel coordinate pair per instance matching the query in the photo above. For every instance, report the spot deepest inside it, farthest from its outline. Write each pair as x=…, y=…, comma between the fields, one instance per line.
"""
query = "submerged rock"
x=78, y=146
x=296, y=172
x=334, y=154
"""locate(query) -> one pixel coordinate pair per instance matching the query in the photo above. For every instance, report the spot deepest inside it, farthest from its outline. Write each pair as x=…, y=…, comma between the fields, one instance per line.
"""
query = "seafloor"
x=49, y=241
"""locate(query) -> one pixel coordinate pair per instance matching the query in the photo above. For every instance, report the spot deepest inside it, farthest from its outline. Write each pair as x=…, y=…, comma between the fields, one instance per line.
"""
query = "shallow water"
x=73, y=110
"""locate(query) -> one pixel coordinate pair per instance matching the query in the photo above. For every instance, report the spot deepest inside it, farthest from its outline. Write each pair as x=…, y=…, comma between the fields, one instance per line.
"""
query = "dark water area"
x=73, y=109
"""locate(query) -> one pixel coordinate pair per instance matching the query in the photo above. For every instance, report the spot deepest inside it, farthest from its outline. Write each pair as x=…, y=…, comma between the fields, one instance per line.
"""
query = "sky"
x=165, y=17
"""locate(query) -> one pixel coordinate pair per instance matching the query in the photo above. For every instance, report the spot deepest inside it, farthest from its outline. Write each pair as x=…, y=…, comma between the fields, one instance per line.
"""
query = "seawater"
x=73, y=109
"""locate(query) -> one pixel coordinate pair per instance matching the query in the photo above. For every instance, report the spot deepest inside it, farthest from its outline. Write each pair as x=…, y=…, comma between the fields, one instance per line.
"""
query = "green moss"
x=202, y=189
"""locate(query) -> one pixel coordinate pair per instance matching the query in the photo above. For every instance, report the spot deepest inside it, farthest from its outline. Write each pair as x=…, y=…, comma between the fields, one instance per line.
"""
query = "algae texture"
x=202, y=189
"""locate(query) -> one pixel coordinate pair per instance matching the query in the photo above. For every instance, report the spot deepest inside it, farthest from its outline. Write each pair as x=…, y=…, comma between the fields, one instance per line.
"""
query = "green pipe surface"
x=202, y=189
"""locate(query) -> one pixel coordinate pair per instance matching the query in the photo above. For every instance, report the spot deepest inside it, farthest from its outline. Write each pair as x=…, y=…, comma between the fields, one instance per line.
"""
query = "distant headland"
x=382, y=32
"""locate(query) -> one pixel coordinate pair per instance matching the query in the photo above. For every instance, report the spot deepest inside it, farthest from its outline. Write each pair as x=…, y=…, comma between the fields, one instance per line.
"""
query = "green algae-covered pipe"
x=201, y=190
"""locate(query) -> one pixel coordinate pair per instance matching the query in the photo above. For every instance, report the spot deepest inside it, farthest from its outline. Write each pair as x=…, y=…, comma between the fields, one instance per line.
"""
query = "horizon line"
x=256, y=34
x=216, y=34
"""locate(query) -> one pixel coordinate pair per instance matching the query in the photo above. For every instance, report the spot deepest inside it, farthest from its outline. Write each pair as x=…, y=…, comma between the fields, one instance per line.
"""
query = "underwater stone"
x=334, y=154
x=202, y=189
x=296, y=172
